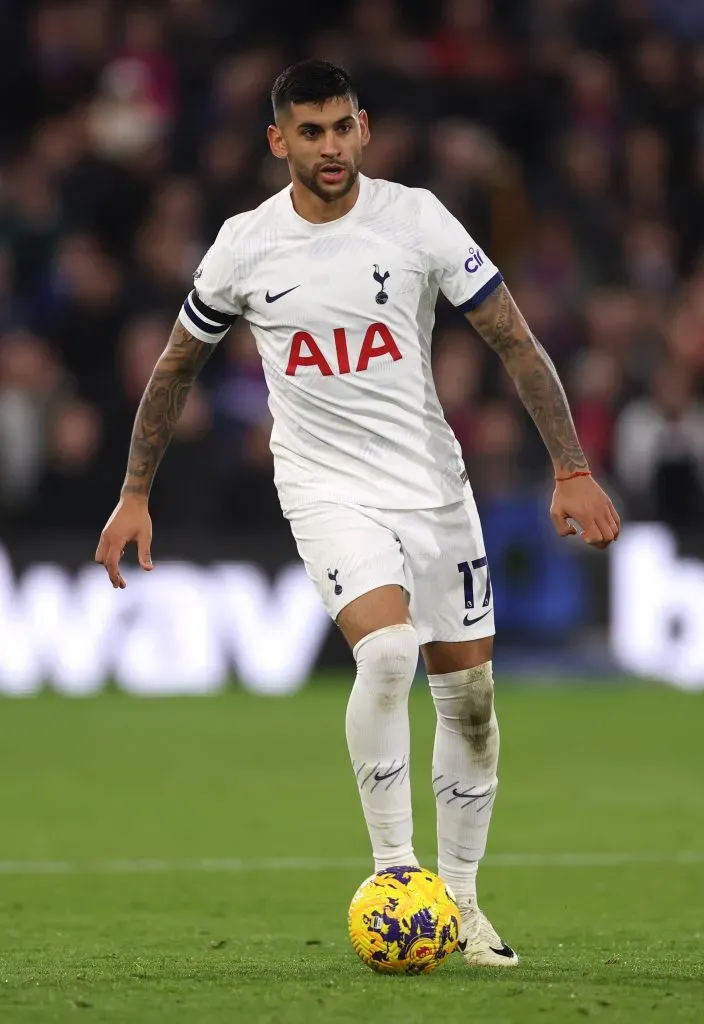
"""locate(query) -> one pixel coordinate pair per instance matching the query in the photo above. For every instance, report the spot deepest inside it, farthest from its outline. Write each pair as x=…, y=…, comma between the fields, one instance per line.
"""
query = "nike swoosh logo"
x=273, y=298
x=466, y=796
x=470, y=622
x=380, y=778
x=504, y=951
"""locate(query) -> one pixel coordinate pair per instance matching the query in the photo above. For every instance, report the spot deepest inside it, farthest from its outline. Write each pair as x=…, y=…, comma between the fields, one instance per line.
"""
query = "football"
x=403, y=920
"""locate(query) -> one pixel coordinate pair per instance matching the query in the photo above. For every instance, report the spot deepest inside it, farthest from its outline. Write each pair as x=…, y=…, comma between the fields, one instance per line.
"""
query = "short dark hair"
x=311, y=81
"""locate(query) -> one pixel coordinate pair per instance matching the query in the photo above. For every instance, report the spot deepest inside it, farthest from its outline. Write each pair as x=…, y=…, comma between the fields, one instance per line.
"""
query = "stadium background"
x=568, y=136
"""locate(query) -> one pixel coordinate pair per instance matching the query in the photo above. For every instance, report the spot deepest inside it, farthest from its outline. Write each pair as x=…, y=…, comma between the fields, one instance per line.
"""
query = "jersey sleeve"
x=214, y=303
x=465, y=274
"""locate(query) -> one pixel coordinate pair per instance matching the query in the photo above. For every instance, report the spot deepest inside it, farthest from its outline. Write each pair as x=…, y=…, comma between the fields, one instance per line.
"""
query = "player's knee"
x=387, y=660
x=464, y=700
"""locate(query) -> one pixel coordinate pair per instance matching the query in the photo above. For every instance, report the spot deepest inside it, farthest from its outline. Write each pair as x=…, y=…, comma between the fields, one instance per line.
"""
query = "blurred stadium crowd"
x=567, y=135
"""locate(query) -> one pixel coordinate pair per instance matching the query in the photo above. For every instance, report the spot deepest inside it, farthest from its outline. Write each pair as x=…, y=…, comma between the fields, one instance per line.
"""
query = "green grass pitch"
x=191, y=860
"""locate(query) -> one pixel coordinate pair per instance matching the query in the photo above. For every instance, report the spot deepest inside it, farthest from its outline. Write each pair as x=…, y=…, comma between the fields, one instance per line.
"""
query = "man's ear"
x=363, y=118
x=277, y=143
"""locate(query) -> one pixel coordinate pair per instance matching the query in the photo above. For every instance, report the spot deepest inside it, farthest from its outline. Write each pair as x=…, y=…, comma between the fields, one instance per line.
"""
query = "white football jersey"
x=342, y=315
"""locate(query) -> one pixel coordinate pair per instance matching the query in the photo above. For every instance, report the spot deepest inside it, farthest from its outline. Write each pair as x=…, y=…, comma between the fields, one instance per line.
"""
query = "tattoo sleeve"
x=161, y=405
x=500, y=323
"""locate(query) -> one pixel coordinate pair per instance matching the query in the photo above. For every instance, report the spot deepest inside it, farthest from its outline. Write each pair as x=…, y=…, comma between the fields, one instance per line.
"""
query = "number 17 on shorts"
x=474, y=603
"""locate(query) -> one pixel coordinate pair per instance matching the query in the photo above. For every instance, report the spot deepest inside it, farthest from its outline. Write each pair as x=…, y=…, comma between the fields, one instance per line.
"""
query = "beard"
x=329, y=193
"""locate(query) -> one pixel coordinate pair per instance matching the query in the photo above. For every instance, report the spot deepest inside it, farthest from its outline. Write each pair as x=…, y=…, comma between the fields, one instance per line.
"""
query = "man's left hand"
x=581, y=499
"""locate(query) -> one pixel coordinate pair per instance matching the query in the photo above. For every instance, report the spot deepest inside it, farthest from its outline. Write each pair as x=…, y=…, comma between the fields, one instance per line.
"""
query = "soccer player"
x=338, y=276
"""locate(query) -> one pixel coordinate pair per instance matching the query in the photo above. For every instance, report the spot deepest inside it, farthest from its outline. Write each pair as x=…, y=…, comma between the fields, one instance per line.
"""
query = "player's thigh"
x=441, y=656
x=451, y=594
x=385, y=606
x=356, y=564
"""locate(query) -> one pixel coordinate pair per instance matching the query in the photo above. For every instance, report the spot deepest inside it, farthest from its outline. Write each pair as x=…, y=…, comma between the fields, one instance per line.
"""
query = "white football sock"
x=465, y=758
x=379, y=739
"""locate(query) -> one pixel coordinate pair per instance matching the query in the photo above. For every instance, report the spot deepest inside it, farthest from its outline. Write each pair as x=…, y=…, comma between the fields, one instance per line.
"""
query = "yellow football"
x=403, y=920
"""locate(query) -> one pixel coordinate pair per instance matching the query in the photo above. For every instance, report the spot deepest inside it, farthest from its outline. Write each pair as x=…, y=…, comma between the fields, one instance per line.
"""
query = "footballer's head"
x=318, y=127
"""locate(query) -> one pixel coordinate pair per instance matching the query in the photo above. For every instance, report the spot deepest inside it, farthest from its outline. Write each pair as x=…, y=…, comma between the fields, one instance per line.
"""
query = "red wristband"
x=583, y=472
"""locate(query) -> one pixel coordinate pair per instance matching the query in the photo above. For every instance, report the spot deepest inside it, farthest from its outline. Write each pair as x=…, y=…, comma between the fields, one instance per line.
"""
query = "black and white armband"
x=202, y=321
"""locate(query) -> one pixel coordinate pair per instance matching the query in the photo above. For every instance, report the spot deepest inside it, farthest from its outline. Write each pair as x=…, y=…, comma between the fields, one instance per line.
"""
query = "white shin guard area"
x=378, y=738
x=465, y=759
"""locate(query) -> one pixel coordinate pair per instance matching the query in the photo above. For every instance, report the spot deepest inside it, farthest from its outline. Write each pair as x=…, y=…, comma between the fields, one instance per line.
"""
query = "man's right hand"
x=129, y=522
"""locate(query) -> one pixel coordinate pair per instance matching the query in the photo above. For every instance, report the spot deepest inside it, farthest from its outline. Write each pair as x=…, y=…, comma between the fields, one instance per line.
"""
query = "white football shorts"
x=436, y=555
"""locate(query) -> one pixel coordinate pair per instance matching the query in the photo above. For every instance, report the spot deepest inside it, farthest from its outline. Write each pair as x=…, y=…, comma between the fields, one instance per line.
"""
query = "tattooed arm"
x=500, y=323
x=162, y=404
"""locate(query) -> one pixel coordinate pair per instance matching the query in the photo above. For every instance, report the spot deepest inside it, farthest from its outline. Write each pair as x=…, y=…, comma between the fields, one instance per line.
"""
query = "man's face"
x=323, y=145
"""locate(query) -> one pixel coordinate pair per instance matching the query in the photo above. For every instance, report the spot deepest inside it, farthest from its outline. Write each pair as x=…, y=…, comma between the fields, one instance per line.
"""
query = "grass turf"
x=94, y=788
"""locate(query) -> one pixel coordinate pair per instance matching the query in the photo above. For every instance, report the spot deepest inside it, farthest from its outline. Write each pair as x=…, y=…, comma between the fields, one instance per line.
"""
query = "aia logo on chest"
x=378, y=342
